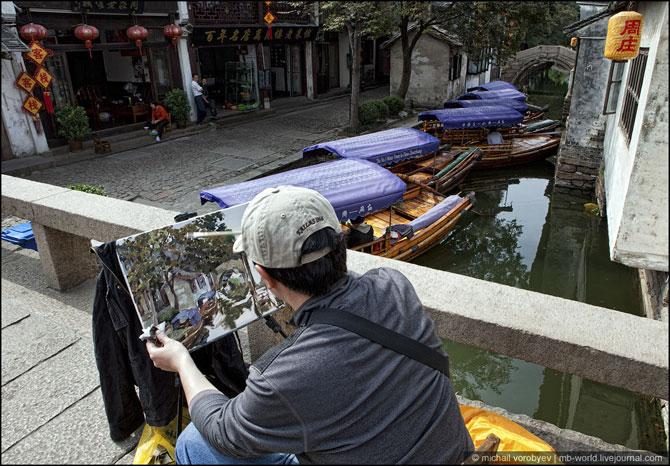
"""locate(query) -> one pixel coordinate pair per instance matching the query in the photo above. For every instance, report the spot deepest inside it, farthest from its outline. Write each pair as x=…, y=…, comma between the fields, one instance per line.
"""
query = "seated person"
x=359, y=232
x=494, y=137
x=159, y=120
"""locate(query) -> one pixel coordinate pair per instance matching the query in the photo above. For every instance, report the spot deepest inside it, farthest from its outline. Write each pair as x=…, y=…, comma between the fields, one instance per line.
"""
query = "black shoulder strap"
x=385, y=337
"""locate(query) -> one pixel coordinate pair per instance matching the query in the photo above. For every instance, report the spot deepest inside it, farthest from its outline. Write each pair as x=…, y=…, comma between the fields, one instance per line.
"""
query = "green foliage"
x=167, y=314
x=394, y=103
x=88, y=188
x=177, y=104
x=73, y=122
x=382, y=108
x=368, y=113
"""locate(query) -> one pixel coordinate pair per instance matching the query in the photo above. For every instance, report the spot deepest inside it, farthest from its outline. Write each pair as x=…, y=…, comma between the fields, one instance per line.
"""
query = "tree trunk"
x=355, y=43
x=406, y=59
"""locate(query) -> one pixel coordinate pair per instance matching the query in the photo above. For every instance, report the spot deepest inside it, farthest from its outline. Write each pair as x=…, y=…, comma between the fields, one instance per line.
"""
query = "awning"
x=517, y=105
x=493, y=116
x=353, y=187
x=493, y=86
x=383, y=147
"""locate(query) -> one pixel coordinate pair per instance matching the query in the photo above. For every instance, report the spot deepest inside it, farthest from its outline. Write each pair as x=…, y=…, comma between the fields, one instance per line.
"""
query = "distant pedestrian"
x=201, y=102
x=160, y=118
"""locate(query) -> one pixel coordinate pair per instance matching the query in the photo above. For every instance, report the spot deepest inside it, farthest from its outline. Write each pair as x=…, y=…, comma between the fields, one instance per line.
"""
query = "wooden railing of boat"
x=464, y=136
x=521, y=150
x=422, y=240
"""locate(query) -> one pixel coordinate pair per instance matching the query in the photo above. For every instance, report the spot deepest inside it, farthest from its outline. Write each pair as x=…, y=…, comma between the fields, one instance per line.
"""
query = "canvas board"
x=197, y=288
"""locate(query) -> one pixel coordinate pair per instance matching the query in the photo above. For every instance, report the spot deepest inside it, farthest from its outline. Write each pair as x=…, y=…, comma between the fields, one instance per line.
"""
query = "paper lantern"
x=138, y=34
x=172, y=32
x=623, y=36
x=32, y=32
x=88, y=34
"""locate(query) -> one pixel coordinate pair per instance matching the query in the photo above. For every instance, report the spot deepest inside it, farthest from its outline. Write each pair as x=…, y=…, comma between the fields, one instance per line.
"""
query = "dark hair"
x=318, y=277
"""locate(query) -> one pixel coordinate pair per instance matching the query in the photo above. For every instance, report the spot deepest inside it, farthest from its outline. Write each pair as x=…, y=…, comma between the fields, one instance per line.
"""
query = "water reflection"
x=524, y=233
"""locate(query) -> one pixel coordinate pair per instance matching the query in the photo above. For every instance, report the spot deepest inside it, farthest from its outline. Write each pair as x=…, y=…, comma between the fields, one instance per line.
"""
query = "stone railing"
x=596, y=343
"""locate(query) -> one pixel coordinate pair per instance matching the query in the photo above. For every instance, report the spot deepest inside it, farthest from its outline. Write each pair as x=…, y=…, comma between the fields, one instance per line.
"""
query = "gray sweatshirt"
x=331, y=396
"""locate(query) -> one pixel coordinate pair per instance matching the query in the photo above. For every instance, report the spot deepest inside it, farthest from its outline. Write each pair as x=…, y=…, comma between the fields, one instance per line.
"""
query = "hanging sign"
x=26, y=82
x=32, y=105
x=109, y=7
x=623, y=36
x=240, y=35
x=37, y=53
x=43, y=77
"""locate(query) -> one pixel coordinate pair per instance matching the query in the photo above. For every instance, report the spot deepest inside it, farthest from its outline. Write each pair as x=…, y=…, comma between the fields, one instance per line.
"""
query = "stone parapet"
x=578, y=167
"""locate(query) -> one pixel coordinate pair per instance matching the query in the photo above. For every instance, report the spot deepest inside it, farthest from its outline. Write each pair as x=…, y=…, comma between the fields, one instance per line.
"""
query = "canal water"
x=523, y=233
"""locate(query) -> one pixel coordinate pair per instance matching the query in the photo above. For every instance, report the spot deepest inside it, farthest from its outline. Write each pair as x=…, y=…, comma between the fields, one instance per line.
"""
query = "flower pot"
x=75, y=146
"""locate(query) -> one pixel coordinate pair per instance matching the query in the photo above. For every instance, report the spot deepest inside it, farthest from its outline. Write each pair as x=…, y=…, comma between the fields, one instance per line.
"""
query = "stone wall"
x=578, y=167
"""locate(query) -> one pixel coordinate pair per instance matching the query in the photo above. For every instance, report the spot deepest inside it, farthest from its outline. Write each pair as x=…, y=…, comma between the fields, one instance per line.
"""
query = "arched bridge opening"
x=537, y=59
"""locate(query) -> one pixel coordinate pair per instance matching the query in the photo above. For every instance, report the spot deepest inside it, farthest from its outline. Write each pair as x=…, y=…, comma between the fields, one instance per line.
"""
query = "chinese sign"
x=110, y=7
x=32, y=105
x=43, y=77
x=249, y=35
x=37, y=53
x=26, y=82
x=623, y=36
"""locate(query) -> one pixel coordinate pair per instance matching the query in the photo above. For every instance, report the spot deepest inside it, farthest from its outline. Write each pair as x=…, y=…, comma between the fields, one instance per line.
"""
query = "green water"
x=524, y=234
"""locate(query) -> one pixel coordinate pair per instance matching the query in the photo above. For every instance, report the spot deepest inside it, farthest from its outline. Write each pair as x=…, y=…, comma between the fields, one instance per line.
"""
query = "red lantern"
x=173, y=32
x=88, y=34
x=32, y=32
x=138, y=34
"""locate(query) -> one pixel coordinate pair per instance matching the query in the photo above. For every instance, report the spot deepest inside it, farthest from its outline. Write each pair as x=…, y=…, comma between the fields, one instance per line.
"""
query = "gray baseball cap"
x=277, y=222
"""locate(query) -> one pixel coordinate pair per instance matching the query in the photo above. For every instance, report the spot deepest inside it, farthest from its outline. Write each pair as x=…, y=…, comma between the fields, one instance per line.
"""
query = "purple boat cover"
x=434, y=214
x=493, y=86
x=383, y=147
x=353, y=187
x=474, y=117
x=517, y=105
x=497, y=94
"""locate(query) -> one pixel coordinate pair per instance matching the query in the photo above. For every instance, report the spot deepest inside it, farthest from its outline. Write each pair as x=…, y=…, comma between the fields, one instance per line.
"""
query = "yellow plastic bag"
x=517, y=445
x=156, y=445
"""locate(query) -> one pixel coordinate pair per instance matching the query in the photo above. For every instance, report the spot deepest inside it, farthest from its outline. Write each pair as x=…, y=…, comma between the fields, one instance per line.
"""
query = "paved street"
x=171, y=174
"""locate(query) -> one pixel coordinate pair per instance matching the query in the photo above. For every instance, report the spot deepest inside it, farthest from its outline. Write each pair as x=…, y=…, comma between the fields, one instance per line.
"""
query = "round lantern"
x=624, y=31
x=32, y=32
x=138, y=34
x=172, y=32
x=88, y=34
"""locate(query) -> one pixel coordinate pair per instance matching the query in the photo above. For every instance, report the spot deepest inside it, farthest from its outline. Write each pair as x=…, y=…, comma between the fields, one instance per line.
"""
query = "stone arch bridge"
x=529, y=61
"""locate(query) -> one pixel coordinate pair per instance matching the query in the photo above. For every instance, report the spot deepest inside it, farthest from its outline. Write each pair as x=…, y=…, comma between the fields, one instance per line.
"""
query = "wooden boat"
x=413, y=155
x=503, y=90
x=531, y=113
x=407, y=219
x=459, y=126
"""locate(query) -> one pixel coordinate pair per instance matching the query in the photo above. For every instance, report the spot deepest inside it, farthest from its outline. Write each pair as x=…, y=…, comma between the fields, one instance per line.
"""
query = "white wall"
x=429, y=82
x=636, y=174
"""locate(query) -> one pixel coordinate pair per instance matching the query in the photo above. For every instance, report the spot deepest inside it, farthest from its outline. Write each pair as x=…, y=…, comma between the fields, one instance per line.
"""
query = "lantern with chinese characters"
x=88, y=34
x=32, y=32
x=137, y=34
x=172, y=32
x=623, y=36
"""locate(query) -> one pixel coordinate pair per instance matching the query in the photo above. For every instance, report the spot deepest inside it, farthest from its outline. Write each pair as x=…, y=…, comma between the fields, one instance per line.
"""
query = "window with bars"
x=632, y=92
x=613, y=87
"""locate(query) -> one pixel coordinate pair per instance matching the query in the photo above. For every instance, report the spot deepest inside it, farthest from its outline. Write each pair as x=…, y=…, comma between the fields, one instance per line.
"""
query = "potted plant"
x=73, y=125
x=178, y=106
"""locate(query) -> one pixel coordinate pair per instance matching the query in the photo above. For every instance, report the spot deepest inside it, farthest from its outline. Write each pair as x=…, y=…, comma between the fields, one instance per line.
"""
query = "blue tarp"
x=21, y=234
x=517, y=105
x=493, y=116
x=434, y=214
x=497, y=94
x=493, y=86
x=353, y=187
x=383, y=147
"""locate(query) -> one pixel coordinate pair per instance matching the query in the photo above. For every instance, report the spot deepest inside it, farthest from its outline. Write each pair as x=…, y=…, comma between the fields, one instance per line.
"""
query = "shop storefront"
x=241, y=65
x=115, y=80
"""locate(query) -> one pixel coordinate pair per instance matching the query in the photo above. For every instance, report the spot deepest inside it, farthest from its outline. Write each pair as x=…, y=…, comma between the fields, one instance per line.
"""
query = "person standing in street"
x=200, y=100
x=326, y=394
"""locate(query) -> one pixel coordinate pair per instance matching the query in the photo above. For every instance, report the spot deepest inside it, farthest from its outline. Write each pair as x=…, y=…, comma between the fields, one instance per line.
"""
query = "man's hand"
x=170, y=355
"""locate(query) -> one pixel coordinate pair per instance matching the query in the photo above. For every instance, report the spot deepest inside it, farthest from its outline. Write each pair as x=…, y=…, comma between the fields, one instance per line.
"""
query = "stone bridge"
x=528, y=61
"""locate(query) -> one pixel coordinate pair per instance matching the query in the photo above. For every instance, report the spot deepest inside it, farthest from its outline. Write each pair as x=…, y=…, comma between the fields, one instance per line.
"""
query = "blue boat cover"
x=434, y=214
x=497, y=94
x=383, y=147
x=493, y=86
x=475, y=117
x=353, y=187
x=515, y=104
